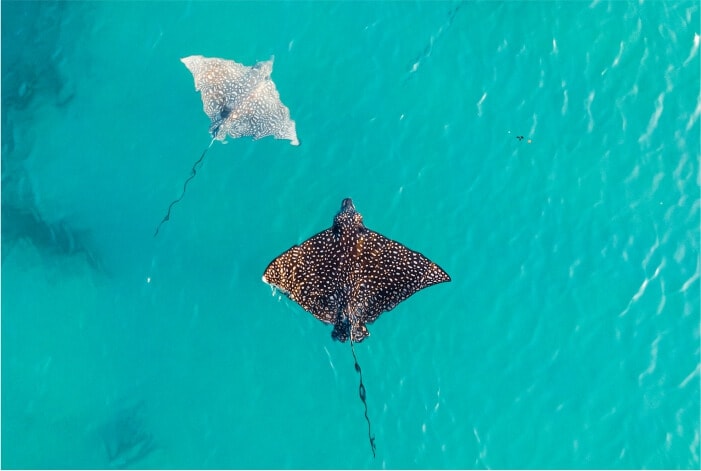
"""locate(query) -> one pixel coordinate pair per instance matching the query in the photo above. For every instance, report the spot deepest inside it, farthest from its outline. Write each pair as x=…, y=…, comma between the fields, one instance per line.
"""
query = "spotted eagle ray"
x=348, y=275
x=239, y=101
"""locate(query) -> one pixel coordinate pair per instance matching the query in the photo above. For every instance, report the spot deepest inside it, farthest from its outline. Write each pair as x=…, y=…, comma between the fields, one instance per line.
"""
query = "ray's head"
x=348, y=218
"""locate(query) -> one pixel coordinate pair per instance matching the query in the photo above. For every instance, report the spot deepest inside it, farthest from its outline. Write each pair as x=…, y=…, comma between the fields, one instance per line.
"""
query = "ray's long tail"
x=182, y=195
x=361, y=392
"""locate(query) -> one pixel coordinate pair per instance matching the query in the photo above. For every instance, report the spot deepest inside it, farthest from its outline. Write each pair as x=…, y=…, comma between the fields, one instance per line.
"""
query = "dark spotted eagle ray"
x=239, y=101
x=348, y=276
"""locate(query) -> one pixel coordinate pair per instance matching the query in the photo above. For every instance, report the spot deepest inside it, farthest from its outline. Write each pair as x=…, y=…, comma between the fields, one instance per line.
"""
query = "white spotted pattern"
x=348, y=275
x=241, y=100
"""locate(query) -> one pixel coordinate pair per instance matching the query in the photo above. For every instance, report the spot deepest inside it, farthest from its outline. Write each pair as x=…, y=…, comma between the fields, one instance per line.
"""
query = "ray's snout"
x=347, y=205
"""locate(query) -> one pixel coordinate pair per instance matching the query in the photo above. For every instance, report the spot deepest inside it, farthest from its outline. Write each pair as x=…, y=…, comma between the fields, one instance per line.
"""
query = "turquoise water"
x=568, y=338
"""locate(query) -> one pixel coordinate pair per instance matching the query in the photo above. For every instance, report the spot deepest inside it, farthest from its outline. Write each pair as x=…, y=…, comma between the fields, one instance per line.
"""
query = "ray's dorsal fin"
x=239, y=101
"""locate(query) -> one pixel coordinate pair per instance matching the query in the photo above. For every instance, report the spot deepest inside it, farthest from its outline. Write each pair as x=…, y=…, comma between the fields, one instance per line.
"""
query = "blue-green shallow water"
x=568, y=338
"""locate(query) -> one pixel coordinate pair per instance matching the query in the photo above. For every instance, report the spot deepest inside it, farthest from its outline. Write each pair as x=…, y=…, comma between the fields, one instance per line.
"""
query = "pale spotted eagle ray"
x=348, y=275
x=239, y=101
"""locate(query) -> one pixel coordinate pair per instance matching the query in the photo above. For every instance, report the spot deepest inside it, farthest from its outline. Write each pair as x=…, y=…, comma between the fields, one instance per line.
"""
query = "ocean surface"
x=545, y=154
